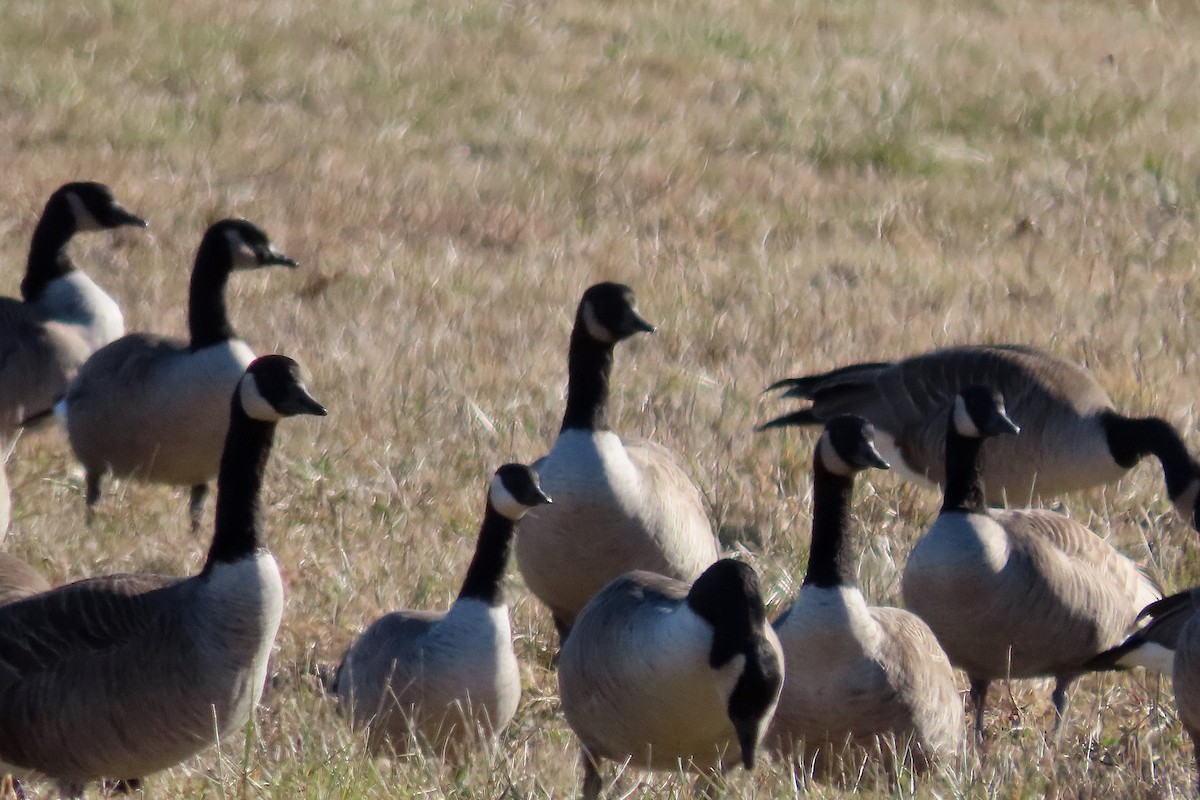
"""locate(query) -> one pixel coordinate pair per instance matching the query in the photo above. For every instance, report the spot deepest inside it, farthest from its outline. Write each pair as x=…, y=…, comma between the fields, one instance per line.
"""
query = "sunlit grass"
x=787, y=186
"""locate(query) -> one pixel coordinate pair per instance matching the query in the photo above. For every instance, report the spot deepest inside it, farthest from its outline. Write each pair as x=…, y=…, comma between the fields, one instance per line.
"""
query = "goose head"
x=243, y=245
x=745, y=655
x=979, y=413
x=607, y=314
x=272, y=389
x=91, y=207
x=515, y=489
x=847, y=446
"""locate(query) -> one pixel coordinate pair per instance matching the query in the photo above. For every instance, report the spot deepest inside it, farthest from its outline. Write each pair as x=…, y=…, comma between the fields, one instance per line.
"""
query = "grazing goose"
x=126, y=675
x=153, y=408
x=63, y=315
x=856, y=676
x=1018, y=593
x=667, y=674
x=619, y=504
x=1072, y=436
x=445, y=676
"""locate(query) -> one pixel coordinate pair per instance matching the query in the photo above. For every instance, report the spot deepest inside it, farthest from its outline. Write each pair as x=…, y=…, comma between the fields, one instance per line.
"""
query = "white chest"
x=587, y=465
x=965, y=542
x=237, y=612
x=828, y=626
x=75, y=299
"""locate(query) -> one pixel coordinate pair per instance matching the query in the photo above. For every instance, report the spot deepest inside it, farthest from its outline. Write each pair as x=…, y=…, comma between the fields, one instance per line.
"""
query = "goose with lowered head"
x=1072, y=436
x=667, y=675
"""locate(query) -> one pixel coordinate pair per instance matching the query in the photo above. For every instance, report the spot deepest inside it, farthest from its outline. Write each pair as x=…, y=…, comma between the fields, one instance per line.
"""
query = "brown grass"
x=787, y=186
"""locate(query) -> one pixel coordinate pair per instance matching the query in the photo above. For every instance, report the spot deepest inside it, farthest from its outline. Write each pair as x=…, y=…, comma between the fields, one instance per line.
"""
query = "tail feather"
x=804, y=416
x=1153, y=645
x=806, y=386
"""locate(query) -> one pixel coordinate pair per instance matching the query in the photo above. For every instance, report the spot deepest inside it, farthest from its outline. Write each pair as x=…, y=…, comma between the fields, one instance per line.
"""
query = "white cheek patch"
x=84, y=221
x=241, y=254
x=831, y=458
x=728, y=675
x=254, y=404
x=594, y=327
x=504, y=502
x=962, y=420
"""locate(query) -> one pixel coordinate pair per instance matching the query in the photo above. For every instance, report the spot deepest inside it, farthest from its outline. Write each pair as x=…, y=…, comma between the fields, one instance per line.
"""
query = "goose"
x=619, y=504
x=125, y=675
x=62, y=316
x=1020, y=593
x=665, y=674
x=856, y=676
x=1073, y=438
x=443, y=676
x=152, y=407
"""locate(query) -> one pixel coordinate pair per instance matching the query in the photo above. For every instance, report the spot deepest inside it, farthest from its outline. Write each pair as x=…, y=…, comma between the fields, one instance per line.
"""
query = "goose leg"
x=93, y=495
x=979, y=690
x=1059, y=697
x=592, y=782
x=196, y=506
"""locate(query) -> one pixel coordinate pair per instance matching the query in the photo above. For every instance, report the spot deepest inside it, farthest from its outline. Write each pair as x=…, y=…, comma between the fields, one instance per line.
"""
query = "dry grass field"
x=787, y=186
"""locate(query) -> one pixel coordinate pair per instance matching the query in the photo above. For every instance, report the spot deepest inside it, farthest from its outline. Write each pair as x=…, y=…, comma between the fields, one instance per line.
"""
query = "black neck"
x=830, y=562
x=589, y=365
x=485, y=576
x=48, y=257
x=964, y=472
x=1130, y=440
x=239, y=484
x=208, y=322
